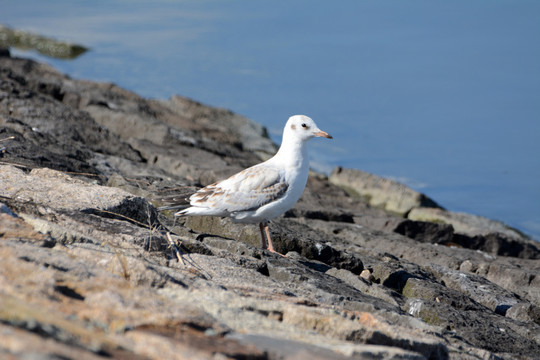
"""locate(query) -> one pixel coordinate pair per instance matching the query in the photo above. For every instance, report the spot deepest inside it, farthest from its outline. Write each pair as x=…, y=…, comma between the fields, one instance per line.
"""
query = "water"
x=443, y=96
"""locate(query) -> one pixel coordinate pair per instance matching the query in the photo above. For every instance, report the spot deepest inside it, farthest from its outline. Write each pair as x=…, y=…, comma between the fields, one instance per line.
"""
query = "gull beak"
x=324, y=134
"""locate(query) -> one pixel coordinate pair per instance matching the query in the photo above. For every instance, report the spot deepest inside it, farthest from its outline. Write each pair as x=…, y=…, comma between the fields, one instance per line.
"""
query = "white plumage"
x=264, y=191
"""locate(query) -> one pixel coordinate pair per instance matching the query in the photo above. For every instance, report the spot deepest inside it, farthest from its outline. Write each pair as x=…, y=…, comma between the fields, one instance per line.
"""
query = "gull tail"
x=179, y=200
x=183, y=212
x=173, y=207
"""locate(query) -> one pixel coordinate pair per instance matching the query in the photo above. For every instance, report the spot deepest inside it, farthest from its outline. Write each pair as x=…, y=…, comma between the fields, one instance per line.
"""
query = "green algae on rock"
x=44, y=45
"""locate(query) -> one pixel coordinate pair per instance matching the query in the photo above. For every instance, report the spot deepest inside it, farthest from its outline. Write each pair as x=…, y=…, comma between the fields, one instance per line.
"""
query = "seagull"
x=266, y=190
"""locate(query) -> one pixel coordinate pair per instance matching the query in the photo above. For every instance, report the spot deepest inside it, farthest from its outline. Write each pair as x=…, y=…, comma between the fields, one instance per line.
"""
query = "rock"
x=89, y=269
x=47, y=133
x=13, y=227
x=466, y=224
x=477, y=288
x=56, y=190
x=428, y=222
x=366, y=274
x=286, y=349
x=46, y=46
x=249, y=134
x=426, y=231
x=501, y=337
x=522, y=277
x=500, y=244
x=6, y=210
x=524, y=312
x=470, y=231
x=367, y=286
x=380, y=192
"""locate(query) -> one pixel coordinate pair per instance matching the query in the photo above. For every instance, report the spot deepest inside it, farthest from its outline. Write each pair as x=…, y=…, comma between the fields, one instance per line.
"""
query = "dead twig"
x=175, y=248
x=14, y=164
x=3, y=148
x=80, y=173
x=192, y=267
x=124, y=217
x=8, y=138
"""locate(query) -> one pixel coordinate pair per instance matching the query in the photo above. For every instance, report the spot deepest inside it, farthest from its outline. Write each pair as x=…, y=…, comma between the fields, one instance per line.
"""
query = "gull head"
x=303, y=128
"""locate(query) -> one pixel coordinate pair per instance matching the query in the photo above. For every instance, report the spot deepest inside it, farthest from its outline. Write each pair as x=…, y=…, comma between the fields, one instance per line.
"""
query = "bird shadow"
x=203, y=236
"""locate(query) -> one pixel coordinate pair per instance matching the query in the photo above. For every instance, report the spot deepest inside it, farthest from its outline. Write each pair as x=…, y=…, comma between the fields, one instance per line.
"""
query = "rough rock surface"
x=47, y=46
x=87, y=270
x=381, y=192
x=426, y=221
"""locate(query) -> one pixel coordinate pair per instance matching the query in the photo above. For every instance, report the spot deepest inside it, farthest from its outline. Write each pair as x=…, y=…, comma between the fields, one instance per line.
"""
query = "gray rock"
x=46, y=132
x=521, y=277
x=56, y=190
x=524, y=312
x=424, y=231
x=367, y=287
x=286, y=349
x=5, y=210
x=477, y=328
x=477, y=288
x=463, y=223
x=249, y=134
x=44, y=45
x=380, y=192
x=500, y=244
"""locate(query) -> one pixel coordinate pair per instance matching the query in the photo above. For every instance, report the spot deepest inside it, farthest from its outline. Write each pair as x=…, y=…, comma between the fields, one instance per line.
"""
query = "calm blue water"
x=441, y=95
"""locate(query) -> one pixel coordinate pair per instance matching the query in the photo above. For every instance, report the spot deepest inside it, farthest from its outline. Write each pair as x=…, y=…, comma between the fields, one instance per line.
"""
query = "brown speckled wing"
x=244, y=191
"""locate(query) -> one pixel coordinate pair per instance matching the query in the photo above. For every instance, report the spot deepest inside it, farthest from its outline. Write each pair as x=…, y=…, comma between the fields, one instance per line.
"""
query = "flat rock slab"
x=463, y=223
x=380, y=192
x=54, y=189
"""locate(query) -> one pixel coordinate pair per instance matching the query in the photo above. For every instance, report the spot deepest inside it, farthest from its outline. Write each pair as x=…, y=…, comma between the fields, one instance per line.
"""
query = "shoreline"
x=367, y=273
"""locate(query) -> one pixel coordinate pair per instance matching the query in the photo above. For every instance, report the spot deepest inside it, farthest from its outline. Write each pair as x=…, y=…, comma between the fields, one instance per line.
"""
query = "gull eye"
x=304, y=125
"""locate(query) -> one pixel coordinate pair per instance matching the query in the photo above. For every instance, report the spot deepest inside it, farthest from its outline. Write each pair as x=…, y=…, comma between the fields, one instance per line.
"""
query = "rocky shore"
x=374, y=270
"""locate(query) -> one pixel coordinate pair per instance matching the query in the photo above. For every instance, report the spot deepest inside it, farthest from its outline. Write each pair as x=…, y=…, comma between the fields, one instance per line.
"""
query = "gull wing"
x=244, y=191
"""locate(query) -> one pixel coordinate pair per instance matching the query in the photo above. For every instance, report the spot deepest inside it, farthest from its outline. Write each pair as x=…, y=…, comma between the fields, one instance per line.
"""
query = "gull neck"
x=292, y=152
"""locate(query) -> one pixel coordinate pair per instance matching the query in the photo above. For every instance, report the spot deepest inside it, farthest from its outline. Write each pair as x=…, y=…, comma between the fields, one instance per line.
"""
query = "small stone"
x=468, y=266
x=482, y=269
x=367, y=275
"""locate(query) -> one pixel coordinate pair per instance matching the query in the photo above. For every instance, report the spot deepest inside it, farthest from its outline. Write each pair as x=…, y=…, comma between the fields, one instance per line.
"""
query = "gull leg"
x=266, y=239
x=263, y=236
x=270, y=246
